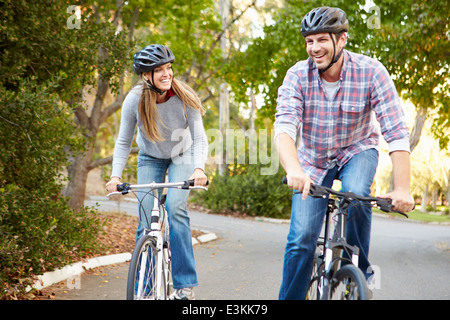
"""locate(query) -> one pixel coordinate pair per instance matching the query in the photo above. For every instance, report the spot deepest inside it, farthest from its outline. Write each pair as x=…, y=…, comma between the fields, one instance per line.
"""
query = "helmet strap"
x=335, y=58
x=152, y=87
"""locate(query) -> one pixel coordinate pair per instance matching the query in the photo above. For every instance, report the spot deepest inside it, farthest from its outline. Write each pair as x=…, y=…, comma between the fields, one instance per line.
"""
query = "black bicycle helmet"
x=324, y=19
x=149, y=58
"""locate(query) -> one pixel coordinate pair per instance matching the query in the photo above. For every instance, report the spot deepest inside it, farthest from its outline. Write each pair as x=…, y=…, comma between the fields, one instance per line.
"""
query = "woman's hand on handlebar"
x=111, y=186
x=199, y=177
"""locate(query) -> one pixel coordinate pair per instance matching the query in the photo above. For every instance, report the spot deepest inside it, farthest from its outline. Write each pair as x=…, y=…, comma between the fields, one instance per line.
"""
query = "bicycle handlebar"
x=318, y=191
x=124, y=188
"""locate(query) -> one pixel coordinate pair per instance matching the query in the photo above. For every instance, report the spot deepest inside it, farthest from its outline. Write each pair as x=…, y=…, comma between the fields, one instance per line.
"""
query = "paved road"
x=245, y=262
x=414, y=259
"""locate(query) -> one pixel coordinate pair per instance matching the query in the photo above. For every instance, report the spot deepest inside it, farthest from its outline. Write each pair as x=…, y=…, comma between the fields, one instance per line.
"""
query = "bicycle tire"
x=167, y=275
x=145, y=247
x=316, y=275
x=349, y=283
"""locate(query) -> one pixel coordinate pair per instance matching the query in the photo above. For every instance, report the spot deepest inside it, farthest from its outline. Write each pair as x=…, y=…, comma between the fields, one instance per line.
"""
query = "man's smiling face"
x=320, y=48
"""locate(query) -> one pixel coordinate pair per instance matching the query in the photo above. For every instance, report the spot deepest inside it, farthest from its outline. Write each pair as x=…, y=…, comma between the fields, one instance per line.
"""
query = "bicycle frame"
x=328, y=262
x=338, y=241
x=156, y=231
x=158, y=220
x=334, y=244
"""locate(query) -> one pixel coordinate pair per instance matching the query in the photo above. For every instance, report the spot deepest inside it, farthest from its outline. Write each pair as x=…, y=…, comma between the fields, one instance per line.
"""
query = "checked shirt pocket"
x=352, y=112
x=353, y=107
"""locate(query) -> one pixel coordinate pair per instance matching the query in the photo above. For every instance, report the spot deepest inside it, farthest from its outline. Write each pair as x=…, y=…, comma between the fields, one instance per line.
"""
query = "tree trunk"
x=78, y=172
x=416, y=131
x=434, y=195
x=448, y=192
x=414, y=137
x=83, y=162
x=252, y=110
x=424, y=199
x=224, y=108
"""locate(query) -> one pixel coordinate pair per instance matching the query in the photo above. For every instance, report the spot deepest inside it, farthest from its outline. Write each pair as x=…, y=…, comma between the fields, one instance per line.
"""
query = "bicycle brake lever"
x=386, y=206
x=317, y=192
x=124, y=188
x=402, y=213
x=190, y=183
x=199, y=187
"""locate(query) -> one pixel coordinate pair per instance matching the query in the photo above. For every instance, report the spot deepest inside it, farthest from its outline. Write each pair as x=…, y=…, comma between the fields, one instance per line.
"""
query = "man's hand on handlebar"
x=402, y=201
x=300, y=182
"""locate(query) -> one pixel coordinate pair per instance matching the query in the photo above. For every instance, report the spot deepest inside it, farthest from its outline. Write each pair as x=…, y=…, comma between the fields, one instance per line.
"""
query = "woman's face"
x=162, y=77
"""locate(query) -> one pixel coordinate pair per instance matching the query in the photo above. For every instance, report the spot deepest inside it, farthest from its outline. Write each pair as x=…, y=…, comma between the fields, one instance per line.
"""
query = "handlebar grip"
x=284, y=181
x=386, y=206
x=190, y=183
x=123, y=187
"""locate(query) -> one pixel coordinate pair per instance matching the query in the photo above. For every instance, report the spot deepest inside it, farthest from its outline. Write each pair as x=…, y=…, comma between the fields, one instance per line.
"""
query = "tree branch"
x=220, y=35
x=82, y=117
x=416, y=131
x=133, y=21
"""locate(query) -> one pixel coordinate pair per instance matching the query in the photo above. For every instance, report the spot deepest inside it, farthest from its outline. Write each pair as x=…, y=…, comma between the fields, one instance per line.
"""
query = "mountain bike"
x=335, y=274
x=149, y=274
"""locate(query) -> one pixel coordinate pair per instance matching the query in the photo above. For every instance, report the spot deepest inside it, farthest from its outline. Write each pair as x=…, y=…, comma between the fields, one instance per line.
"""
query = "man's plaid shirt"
x=333, y=129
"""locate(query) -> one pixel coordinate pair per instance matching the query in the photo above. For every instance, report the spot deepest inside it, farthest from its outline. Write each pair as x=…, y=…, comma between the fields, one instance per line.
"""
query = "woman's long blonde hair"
x=148, y=112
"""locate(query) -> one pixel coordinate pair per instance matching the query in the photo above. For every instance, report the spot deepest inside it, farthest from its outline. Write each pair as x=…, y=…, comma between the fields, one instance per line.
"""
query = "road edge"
x=77, y=268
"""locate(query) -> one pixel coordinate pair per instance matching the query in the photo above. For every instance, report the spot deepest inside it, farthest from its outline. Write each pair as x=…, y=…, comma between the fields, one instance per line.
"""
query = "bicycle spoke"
x=142, y=276
x=349, y=283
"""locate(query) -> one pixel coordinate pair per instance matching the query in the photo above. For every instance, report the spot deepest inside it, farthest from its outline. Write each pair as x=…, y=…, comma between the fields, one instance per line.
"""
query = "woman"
x=171, y=139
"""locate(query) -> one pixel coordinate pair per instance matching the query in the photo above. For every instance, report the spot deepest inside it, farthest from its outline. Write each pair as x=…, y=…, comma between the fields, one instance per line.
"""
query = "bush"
x=248, y=193
x=38, y=231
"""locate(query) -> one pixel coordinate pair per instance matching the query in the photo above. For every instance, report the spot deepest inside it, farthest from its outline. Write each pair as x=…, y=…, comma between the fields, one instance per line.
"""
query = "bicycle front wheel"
x=349, y=283
x=314, y=291
x=141, y=283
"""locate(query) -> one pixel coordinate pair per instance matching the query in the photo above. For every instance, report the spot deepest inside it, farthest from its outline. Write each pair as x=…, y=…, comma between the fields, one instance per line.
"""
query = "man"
x=334, y=98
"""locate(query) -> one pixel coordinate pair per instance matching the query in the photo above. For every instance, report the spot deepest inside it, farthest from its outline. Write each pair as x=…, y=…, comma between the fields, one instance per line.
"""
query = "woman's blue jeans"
x=154, y=170
x=307, y=218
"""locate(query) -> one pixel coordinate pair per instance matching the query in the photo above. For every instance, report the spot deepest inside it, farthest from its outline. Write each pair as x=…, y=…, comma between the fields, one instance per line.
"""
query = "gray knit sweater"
x=179, y=133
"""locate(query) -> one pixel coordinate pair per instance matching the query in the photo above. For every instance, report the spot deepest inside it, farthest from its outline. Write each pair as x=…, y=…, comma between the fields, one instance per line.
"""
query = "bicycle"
x=335, y=274
x=149, y=274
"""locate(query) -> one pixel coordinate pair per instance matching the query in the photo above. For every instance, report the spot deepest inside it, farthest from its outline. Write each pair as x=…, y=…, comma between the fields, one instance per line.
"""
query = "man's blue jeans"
x=307, y=218
x=154, y=170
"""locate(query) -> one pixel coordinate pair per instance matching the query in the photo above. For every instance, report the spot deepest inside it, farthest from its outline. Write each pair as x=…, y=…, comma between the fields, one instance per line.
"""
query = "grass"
x=438, y=216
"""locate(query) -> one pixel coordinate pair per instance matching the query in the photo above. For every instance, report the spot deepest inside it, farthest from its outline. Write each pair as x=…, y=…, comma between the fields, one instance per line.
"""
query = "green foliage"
x=191, y=29
x=412, y=41
x=43, y=66
x=38, y=231
x=34, y=129
x=248, y=194
x=413, y=44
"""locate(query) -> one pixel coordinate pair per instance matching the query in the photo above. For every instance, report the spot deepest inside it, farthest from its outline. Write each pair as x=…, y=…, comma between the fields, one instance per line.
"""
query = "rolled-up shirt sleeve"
x=287, y=128
x=400, y=145
x=389, y=112
x=289, y=111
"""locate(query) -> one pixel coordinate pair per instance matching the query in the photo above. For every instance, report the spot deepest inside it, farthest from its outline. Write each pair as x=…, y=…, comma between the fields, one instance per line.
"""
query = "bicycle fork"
x=331, y=245
x=156, y=232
